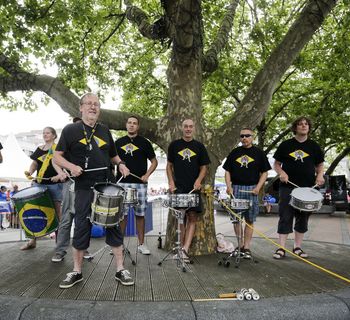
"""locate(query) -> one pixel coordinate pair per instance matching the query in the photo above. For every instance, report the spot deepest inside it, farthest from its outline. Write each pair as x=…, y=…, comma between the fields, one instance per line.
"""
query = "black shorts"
x=82, y=229
x=287, y=214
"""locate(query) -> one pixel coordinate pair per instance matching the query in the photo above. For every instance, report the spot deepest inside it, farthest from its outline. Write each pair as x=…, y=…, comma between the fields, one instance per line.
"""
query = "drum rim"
x=42, y=191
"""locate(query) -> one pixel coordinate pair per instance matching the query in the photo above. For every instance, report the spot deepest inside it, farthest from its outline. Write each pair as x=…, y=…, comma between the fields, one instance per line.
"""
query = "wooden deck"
x=32, y=274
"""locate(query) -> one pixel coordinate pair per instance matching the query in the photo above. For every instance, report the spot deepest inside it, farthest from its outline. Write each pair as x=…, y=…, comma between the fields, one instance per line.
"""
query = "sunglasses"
x=245, y=135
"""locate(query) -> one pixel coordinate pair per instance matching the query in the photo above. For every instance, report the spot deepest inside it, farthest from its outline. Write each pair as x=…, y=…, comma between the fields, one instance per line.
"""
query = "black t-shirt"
x=39, y=156
x=299, y=160
x=245, y=165
x=0, y=146
x=134, y=152
x=75, y=147
x=187, y=158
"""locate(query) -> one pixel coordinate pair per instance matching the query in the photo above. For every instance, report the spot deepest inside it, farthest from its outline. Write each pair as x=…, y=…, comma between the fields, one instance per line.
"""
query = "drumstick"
x=292, y=183
x=134, y=175
x=192, y=191
x=95, y=169
x=247, y=191
x=119, y=179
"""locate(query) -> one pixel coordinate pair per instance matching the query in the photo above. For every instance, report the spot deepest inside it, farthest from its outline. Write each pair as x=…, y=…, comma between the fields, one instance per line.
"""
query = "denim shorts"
x=55, y=190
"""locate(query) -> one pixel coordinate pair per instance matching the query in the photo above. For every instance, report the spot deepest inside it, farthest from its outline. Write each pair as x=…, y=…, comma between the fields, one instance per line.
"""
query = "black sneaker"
x=72, y=278
x=57, y=257
x=124, y=277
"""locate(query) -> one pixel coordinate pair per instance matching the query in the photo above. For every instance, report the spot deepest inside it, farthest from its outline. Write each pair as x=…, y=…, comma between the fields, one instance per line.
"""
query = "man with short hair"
x=186, y=169
x=299, y=161
x=135, y=150
x=89, y=145
x=245, y=174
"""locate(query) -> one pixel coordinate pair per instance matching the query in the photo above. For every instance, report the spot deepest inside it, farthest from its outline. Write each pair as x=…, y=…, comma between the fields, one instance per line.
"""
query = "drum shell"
x=238, y=204
x=107, y=209
x=130, y=196
x=36, y=211
x=183, y=200
x=299, y=199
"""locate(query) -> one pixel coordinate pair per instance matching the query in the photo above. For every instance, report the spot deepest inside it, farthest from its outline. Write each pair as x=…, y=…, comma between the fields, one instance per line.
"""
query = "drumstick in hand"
x=246, y=191
x=292, y=183
x=134, y=175
x=191, y=191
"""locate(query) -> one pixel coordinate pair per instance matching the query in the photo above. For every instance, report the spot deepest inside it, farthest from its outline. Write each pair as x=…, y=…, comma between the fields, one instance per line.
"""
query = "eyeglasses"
x=245, y=135
x=90, y=104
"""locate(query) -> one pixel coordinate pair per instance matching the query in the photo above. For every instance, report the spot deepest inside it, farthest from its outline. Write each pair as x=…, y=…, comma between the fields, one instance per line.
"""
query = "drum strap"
x=46, y=163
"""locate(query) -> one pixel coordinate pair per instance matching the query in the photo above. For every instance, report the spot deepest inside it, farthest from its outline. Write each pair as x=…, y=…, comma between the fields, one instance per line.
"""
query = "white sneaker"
x=142, y=248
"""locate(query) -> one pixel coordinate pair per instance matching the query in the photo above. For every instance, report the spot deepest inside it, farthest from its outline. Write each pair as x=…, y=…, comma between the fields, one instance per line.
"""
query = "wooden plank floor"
x=32, y=274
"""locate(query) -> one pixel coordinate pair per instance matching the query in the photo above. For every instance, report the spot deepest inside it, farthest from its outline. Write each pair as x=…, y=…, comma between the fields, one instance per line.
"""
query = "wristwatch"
x=120, y=162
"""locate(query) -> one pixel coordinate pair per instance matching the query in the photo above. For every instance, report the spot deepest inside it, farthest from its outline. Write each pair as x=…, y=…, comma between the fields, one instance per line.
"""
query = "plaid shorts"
x=141, y=207
x=253, y=210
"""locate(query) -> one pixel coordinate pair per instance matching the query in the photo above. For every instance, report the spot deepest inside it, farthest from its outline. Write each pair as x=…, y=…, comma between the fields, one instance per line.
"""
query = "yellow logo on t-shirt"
x=100, y=143
x=299, y=155
x=129, y=148
x=244, y=160
x=42, y=158
x=187, y=154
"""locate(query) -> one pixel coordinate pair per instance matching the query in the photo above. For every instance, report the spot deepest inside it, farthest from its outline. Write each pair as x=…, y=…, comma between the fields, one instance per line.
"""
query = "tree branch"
x=256, y=101
x=336, y=161
x=210, y=59
x=140, y=18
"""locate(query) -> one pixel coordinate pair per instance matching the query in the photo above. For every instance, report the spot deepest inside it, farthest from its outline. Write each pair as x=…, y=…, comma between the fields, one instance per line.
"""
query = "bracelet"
x=120, y=162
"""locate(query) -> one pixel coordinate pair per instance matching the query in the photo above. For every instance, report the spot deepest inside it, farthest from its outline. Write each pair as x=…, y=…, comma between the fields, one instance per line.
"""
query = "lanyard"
x=88, y=142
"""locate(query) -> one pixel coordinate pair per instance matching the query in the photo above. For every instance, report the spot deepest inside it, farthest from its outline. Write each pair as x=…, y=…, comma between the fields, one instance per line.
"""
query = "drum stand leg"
x=236, y=254
x=177, y=251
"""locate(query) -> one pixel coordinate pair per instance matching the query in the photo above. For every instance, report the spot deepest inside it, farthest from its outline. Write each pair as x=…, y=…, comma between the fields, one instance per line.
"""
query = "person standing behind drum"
x=48, y=175
x=186, y=168
x=134, y=150
x=64, y=229
x=300, y=161
x=245, y=174
x=89, y=145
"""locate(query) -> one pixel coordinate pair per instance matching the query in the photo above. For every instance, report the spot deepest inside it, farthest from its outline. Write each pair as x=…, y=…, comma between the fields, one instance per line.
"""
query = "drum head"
x=307, y=194
x=28, y=193
x=109, y=189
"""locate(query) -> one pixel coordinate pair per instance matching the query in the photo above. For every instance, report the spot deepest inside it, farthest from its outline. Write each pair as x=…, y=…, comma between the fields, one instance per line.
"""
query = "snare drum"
x=130, y=196
x=183, y=200
x=36, y=211
x=306, y=199
x=238, y=204
x=107, y=207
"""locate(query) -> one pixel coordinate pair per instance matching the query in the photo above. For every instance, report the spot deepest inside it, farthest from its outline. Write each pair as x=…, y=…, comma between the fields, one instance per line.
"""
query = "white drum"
x=238, y=204
x=306, y=199
x=183, y=200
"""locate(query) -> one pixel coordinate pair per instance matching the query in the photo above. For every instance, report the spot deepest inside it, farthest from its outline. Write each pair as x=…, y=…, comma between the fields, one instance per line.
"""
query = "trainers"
x=247, y=254
x=57, y=257
x=142, y=248
x=124, y=277
x=72, y=278
x=87, y=255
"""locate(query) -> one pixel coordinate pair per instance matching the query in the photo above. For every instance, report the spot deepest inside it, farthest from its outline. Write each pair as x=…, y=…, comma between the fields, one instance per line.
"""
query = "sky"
x=22, y=121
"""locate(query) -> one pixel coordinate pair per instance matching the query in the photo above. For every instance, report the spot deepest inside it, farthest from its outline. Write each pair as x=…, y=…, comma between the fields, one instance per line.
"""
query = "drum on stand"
x=238, y=205
x=107, y=207
x=183, y=200
x=36, y=211
x=130, y=196
x=306, y=199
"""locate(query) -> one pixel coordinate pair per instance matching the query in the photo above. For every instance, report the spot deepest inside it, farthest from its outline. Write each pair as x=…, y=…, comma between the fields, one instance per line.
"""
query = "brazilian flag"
x=37, y=216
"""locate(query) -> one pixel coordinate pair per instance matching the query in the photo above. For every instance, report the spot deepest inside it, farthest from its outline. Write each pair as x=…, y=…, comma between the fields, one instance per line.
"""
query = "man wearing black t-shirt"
x=135, y=150
x=186, y=168
x=300, y=161
x=89, y=145
x=245, y=174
